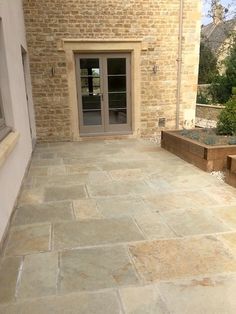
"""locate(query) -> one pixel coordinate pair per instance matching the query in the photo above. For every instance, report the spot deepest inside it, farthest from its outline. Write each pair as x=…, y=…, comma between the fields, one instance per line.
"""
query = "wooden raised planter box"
x=206, y=157
x=230, y=177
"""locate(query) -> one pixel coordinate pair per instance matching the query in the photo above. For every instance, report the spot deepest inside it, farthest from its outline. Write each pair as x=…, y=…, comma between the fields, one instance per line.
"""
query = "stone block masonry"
x=207, y=115
x=156, y=23
x=208, y=112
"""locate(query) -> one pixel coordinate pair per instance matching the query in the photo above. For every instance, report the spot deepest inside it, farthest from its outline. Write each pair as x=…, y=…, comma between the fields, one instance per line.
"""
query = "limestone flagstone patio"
x=119, y=226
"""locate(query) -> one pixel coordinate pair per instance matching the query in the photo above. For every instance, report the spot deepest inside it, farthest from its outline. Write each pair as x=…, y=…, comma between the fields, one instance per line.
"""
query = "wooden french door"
x=103, y=86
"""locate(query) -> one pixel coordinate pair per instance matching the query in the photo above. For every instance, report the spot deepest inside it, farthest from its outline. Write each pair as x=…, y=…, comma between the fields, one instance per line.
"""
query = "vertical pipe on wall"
x=179, y=62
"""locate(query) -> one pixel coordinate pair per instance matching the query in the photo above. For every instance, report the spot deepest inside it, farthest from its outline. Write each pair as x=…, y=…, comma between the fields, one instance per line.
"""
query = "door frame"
x=106, y=128
x=88, y=46
x=83, y=129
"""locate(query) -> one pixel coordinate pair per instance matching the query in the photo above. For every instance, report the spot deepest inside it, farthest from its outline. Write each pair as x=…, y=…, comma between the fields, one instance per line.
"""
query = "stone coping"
x=211, y=106
x=7, y=145
x=204, y=85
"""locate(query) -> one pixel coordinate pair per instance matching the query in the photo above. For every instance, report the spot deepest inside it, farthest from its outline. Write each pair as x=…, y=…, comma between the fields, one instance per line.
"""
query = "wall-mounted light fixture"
x=154, y=69
x=53, y=71
x=161, y=122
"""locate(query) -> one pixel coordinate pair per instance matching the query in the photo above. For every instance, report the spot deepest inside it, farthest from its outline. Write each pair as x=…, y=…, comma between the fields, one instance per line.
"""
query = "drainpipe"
x=179, y=62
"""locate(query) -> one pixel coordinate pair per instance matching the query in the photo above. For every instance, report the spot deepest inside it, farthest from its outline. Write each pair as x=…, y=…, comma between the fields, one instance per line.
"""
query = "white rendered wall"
x=12, y=82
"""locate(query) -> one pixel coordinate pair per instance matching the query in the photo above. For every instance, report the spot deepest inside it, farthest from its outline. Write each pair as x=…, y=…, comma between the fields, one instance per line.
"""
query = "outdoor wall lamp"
x=53, y=71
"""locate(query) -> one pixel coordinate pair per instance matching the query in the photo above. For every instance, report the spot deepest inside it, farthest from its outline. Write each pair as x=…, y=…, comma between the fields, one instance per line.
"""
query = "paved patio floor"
x=106, y=227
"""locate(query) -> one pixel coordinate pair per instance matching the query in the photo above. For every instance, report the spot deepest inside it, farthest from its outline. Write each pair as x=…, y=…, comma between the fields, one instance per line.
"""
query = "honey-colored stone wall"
x=208, y=112
x=156, y=23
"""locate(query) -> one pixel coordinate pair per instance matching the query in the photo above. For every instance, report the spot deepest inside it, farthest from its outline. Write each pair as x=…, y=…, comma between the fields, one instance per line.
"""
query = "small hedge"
x=227, y=119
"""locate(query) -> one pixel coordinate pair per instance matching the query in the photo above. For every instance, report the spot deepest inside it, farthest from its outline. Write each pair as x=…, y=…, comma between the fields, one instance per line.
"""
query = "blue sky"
x=206, y=7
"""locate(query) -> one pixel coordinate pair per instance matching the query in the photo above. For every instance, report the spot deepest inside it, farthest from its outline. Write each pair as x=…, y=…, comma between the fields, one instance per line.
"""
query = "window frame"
x=4, y=130
x=2, y=119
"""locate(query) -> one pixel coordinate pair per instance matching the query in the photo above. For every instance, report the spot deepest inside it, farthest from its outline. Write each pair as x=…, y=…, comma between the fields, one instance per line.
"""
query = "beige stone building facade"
x=112, y=67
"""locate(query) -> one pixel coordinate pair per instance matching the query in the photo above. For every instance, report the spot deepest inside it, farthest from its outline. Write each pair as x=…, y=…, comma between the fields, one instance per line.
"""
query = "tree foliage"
x=231, y=65
x=207, y=65
x=221, y=88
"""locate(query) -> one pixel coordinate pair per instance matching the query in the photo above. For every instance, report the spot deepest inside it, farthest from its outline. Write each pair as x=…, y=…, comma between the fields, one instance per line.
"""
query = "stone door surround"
x=76, y=46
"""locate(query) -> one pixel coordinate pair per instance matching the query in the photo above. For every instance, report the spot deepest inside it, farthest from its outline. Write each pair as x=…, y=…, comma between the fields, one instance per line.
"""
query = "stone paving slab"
x=38, y=171
x=186, y=182
x=46, y=162
x=43, y=155
x=56, y=170
x=110, y=216
x=143, y=300
x=49, y=212
x=179, y=200
x=118, y=188
x=208, y=295
x=227, y=214
x=80, y=168
x=28, y=239
x=31, y=196
x=127, y=174
x=118, y=165
x=95, y=232
x=191, y=222
x=82, y=160
x=63, y=180
x=72, y=192
x=83, y=303
x=178, y=168
x=224, y=195
x=96, y=268
x=230, y=240
x=159, y=185
x=176, y=258
x=86, y=209
x=115, y=207
x=39, y=276
x=96, y=177
x=154, y=226
x=9, y=269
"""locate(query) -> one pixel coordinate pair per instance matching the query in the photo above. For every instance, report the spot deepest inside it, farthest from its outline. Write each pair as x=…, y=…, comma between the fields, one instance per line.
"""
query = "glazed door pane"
x=90, y=91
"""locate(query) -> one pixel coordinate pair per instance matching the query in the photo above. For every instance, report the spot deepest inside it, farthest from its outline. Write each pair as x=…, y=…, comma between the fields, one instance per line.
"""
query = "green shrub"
x=207, y=65
x=220, y=89
x=202, y=99
x=227, y=119
x=233, y=91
